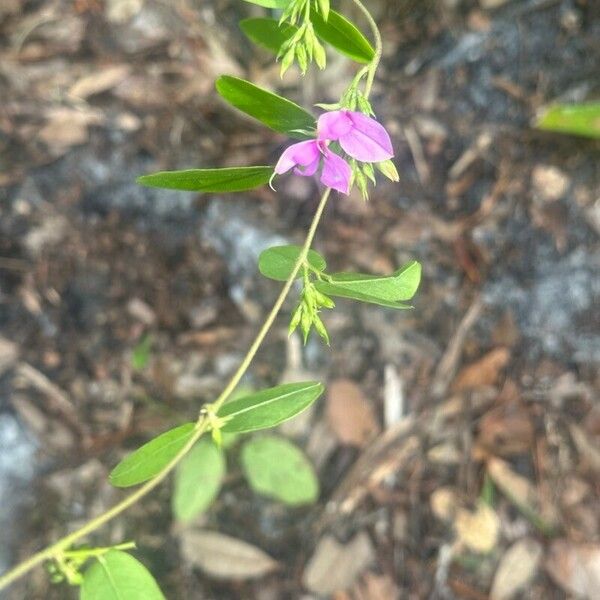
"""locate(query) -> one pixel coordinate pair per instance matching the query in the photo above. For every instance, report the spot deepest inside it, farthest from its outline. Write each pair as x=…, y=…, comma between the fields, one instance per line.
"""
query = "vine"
x=347, y=146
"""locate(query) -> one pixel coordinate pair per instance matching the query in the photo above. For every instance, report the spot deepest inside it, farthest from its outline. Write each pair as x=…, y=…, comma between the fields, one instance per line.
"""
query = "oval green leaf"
x=278, y=113
x=148, y=460
x=270, y=407
x=267, y=32
x=198, y=480
x=402, y=285
x=278, y=262
x=117, y=575
x=276, y=468
x=344, y=36
x=231, y=179
x=339, y=291
x=576, y=119
x=270, y=3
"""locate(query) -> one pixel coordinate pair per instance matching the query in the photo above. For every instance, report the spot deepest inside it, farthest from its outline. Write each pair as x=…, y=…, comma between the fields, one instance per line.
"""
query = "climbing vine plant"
x=345, y=147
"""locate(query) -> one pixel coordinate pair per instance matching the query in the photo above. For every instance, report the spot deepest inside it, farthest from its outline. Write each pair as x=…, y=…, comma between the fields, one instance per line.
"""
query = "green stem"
x=202, y=425
x=378, y=46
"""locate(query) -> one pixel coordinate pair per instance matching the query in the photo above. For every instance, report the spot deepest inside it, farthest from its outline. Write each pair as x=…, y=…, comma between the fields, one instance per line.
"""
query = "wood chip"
x=517, y=568
x=224, y=557
x=99, y=81
x=8, y=354
x=483, y=372
x=349, y=414
x=376, y=587
x=522, y=493
x=334, y=566
x=575, y=568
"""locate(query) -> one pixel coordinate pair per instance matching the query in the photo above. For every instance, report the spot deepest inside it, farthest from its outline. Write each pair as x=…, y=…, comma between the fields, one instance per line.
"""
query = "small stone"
x=549, y=183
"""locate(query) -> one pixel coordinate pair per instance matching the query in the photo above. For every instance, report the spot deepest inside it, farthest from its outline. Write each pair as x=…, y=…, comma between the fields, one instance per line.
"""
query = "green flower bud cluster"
x=303, y=47
x=306, y=314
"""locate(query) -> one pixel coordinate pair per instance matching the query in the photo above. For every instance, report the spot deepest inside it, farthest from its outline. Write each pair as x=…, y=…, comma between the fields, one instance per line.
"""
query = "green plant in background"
x=347, y=147
x=575, y=119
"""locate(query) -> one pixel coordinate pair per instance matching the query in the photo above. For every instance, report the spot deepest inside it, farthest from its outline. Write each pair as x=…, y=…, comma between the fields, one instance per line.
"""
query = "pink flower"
x=360, y=136
x=304, y=158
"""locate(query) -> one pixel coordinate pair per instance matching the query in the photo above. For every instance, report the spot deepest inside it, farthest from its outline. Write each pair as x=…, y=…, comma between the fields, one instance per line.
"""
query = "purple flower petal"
x=303, y=153
x=336, y=173
x=308, y=170
x=332, y=125
x=367, y=141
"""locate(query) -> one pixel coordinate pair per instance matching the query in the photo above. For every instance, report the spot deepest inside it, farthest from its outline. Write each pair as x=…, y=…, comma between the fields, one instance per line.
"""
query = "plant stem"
x=202, y=425
x=378, y=46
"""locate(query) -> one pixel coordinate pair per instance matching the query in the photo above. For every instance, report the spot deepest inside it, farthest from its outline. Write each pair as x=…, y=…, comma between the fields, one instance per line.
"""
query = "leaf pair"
x=337, y=31
x=390, y=291
x=274, y=111
x=261, y=410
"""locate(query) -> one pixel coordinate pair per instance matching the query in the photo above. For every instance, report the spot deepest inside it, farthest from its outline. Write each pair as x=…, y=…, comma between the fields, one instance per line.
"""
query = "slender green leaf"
x=198, y=480
x=274, y=111
x=270, y=407
x=141, y=353
x=117, y=575
x=341, y=292
x=278, y=469
x=267, y=32
x=278, y=262
x=230, y=179
x=270, y=3
x=402, y=285
x=577, y=119
x=344, y=36
x=148, y=460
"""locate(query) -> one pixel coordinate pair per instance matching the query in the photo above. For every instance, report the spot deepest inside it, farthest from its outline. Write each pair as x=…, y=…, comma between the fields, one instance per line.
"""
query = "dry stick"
x=202, y=425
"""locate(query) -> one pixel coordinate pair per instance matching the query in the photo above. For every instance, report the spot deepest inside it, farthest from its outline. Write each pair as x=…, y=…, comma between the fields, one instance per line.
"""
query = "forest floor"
x=458, y=445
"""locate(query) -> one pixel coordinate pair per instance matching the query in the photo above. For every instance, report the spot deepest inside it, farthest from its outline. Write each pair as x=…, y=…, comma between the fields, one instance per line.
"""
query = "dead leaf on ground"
x=523, y=494
x=335, y=566
x=588, y=451
x=376, y=587
x=483, y=372
x=9, y=352
x=349, y=413
x=99, y=80
x=225, y=557
x=506, y=429
x=478, y=530
x=67, y=127
x=575, y=567
x=517, y=568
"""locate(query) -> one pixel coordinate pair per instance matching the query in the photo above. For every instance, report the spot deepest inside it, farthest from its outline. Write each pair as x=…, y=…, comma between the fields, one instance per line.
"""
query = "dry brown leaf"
x=506, y=430
x=67, y=127
x=483, y=372
x=99, y=81
x=8, y=354
x=335, y=566
x=376, y=587
x=478, y=530
x=589, y=452
x=225, y=557
x=575, y=567
x=349, y=414
x=517, y=568
x=522, y=493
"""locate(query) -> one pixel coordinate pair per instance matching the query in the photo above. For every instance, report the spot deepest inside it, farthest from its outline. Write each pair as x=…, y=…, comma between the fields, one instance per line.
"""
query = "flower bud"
x=388, y=168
